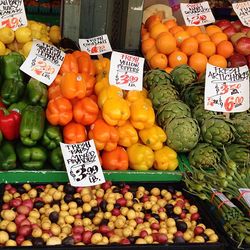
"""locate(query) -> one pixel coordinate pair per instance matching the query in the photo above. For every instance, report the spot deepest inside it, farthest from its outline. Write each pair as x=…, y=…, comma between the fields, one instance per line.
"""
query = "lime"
x=7, y=35
x=23, y=34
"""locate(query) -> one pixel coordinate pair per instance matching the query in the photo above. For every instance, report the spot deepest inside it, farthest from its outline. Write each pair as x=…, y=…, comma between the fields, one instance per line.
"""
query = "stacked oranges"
x=165, y=45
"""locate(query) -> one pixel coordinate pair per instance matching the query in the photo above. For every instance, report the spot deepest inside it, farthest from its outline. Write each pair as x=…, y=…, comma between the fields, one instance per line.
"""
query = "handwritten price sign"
x=96, y=45
x=44, y=62
x=126, y=71
x=82, y=164
x=197, y=14
x=12, y=14
x=243, y=12
x=227, y=89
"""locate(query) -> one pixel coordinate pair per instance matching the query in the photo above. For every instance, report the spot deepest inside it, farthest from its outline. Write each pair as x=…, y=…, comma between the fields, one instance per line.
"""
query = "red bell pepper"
x=10, y=123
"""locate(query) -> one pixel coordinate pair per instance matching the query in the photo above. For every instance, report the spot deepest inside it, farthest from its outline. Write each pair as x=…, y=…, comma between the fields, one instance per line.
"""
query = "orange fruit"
x=145, y=36
x=193, y=30
x=207, y=48
x=168, y=70
x=151, y=52
x=211, y=29
x=166, y=43
x=189, y=46
x=175, y=29
x=225, y=49
x=143, y=29
x=181, y=36
x=158, y=60
x=198, y=62
x=202, y=37
x=218, y=60
x=177, y=58
x=152, y=20
x=157, y=29
x=147, y=45
x=218, y=37
x=170, y=23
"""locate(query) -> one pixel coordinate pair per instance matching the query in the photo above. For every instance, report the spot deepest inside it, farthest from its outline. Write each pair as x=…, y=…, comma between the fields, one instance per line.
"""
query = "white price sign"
x=197, y=14
x=243, y=12
x=245, y=193
x=43, y=62
x=126, y=71
x=12, y=14
x=223, y=198
x=82, y=164
x=227, y=89
x=96, y=45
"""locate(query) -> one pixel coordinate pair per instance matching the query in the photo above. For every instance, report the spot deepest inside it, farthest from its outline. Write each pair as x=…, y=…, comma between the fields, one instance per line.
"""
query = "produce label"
x=243, y=12
x=197, y=14
x=43, y=62
x=126, y=71
x=95, y=45
x=12, y=14
x=227, y=89
x=245, y=194
x=223, y=198
x=82, y=164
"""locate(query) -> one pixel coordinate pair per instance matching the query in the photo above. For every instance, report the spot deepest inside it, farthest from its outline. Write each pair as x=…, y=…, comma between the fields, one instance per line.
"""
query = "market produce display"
x=57, y=214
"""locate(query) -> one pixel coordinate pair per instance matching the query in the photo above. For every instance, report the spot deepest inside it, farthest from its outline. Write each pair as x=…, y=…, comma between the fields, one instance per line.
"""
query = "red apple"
x=223, y=24
x=237, y=25
x=236, y=60
x=229, y=31
x=244, y=29
x=243, y=46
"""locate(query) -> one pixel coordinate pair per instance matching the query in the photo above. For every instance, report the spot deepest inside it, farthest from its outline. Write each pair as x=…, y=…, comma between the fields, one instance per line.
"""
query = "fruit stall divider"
x=222, y=244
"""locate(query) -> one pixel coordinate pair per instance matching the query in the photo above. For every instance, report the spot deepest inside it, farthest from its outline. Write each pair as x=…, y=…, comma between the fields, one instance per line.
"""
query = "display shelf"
x=49, y=19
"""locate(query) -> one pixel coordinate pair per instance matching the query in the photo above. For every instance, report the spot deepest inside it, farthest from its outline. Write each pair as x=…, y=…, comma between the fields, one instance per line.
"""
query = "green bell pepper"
x=32, y=125
x=18, y=106
x=36, y=93
x=31, y=158
x=56, y=158
x=51, y=137
x=11, y=91
x=7, y=156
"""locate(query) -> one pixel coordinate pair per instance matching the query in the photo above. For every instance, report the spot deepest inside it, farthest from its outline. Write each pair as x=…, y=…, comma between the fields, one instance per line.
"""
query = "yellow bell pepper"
x=142, y=114
x=102, y=66
x=133, y=95
x=153, y=137
x=140, y=157
x=115, y=111
x=108, y=93
x=165, y=159
x=127, y=135
x=101, y=84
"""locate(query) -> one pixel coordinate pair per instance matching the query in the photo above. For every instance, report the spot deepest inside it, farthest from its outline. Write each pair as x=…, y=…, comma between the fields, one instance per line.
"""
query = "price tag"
x=126, y=71
x=223, y=198
x=82, y=164
x=243, y=12
x=197, y=14
x=12, y=14
x=43, y=62
x=227, y=89
x=95, y=45
x=245, y=194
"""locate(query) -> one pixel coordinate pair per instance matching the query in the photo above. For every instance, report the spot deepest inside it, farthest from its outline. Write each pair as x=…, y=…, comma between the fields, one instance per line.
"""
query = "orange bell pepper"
x=54, y=91
x=78, y=53
x=74, y=133
x=69, y=64
x=90, y=83
x=86, y=65
x=73, y=86
x=105, y=136
x=59, y=111
x=102, y=66
x=101, y=84
x=85, y=111
x=116, y=159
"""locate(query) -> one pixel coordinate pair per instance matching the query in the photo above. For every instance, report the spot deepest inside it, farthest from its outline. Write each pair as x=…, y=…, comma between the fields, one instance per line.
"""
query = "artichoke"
x=156, y=77
x=173, y=109
x=182, y=133
x=183, y=76
x=201, y=114
x=241, y=124
x=194, y=94
x=204, y=155
x=162, y=94
x=239, y=154
x=217, y=131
